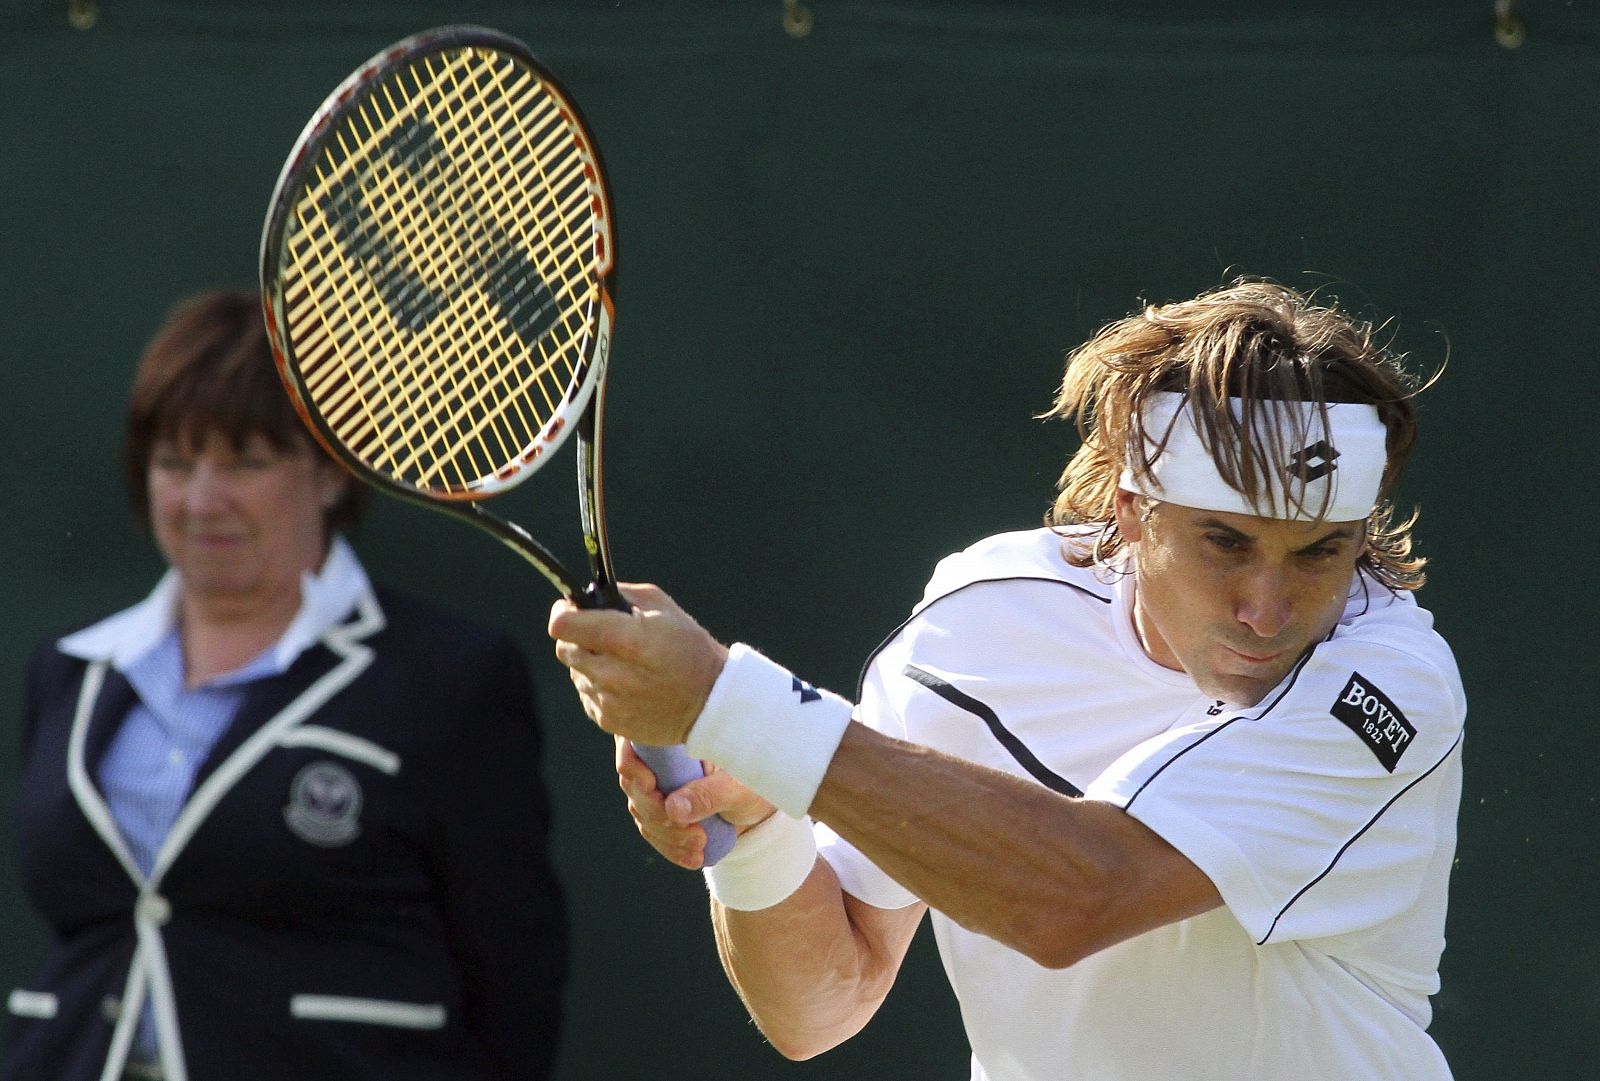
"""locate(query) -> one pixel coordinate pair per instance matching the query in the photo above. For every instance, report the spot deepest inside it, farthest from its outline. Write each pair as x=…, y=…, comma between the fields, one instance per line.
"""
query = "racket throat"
x=603, y=594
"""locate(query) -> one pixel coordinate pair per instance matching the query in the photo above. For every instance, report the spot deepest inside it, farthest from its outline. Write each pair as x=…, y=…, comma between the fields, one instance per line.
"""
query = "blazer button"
x=111, y=1007
x=154, y=908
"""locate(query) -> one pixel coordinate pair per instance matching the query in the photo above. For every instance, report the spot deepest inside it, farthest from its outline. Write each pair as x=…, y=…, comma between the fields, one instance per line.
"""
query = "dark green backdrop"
x=851, y=263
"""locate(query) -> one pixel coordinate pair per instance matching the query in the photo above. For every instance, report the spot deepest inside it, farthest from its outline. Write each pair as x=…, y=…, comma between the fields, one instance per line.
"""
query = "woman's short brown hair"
x=209, y=370
x=1253, y=340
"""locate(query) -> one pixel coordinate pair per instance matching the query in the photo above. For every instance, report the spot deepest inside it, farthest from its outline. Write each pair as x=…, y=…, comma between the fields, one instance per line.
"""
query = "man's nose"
x=1264, y=604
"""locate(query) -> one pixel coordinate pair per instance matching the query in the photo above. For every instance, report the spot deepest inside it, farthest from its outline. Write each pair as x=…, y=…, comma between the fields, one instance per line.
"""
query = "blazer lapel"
x=271, y=708
x=265, y=699
x=103, y=700
x=105, y=720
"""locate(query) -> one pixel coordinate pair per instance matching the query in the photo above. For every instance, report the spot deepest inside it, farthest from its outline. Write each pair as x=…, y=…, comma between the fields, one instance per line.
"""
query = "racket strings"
x=526, y=289
x=466, y=214
x=443, y=235
x=418, y=228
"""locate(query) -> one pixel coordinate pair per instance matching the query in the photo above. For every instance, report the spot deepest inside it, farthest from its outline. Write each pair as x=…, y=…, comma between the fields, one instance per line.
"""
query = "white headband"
x=1341, y=465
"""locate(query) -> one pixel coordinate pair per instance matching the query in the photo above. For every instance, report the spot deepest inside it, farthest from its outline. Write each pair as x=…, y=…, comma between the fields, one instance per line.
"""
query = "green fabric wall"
x=850, y=264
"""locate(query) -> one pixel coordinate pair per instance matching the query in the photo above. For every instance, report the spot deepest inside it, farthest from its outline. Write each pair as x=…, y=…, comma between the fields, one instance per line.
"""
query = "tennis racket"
x=437, y=268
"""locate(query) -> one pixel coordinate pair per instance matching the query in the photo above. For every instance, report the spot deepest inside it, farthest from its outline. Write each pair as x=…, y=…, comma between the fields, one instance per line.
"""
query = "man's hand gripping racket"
x=437, y=267
x=648, y=677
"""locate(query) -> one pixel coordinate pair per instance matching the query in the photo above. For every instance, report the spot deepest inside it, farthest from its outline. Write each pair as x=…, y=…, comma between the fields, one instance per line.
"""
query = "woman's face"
x=241, y=526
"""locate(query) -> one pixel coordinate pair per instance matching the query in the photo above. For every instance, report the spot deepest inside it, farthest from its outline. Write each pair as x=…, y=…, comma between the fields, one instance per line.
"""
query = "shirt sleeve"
x=880, y=711
x=1317, y=811
x=997, y=639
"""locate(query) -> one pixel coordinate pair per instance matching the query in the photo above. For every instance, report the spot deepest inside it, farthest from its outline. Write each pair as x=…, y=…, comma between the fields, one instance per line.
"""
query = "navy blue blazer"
x=359, y=886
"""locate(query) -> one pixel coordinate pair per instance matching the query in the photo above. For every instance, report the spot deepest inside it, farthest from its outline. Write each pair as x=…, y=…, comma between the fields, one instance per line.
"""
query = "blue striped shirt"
x=150, y=766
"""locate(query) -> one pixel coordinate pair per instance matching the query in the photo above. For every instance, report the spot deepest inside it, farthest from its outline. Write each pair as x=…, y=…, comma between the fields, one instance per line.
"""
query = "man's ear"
x=1129, y=522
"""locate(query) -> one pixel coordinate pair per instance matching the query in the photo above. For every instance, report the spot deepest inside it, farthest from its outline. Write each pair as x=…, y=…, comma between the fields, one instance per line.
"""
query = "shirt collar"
x=326, y=597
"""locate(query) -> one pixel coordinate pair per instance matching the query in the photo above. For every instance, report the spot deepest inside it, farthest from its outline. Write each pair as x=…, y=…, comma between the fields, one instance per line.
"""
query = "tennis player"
x=1177, y=776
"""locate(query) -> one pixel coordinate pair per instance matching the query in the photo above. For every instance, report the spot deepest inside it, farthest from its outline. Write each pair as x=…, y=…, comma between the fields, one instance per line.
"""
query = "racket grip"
x=674, y=767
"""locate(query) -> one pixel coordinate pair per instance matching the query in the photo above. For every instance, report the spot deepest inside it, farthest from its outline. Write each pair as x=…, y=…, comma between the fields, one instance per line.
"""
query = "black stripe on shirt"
x=1299, y=666
x=861, y=681
x=1017, y=749
x=1356, y=837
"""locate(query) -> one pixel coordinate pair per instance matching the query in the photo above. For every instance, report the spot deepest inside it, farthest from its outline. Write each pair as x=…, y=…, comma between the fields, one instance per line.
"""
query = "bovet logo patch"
x=1368, y=713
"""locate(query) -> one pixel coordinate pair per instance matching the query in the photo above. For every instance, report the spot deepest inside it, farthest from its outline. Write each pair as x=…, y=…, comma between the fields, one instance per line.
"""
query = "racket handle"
x=674, y=767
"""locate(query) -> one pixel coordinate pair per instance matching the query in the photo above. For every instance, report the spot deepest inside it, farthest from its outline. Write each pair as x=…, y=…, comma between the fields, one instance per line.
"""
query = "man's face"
x=1234, y=599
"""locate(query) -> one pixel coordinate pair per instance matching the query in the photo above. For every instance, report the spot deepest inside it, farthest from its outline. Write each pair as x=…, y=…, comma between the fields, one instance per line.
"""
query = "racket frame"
x=673, y=766
x=587, y=393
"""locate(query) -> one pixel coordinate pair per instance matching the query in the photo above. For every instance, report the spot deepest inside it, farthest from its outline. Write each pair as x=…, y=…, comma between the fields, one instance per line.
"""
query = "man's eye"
x=1225, y=542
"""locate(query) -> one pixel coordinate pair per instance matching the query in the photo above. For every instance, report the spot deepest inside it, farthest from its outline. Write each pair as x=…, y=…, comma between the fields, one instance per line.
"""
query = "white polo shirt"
x=1325, y=815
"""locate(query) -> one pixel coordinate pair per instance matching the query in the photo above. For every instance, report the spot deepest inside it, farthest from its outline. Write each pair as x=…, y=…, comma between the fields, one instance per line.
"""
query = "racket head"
x=438, y=266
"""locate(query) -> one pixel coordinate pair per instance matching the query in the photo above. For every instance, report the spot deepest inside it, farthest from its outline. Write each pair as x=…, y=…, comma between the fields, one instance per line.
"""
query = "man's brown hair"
x=1257, y=341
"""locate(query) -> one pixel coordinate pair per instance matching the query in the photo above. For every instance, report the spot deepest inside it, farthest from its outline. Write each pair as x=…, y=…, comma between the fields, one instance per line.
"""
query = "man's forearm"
x=813, y=969
x=1054, y=877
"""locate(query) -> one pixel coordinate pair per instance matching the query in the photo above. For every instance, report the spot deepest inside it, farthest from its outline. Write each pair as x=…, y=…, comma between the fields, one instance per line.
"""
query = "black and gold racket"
x=437, y=267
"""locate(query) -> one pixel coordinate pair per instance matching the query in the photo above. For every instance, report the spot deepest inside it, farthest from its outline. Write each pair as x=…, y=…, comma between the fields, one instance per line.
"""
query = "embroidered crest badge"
x=324, y=805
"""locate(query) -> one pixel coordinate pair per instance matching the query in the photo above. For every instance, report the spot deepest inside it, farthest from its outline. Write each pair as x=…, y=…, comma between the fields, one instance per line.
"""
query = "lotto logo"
x=1314, y=462
x=1368, y=713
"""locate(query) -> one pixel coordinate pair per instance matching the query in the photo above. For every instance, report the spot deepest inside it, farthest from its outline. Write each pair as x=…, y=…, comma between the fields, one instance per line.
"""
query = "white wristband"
x=773, y=732
x=767, y=864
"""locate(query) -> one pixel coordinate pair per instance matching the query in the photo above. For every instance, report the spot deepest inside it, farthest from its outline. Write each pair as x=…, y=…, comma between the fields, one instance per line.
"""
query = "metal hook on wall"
x=1509, y=29
x=83, y=14
x=797, y=19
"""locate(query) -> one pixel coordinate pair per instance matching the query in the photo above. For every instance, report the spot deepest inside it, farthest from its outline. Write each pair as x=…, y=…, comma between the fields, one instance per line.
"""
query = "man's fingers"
x=701, y=798
x=597, y=630
x=645, y=596
x=634, y=770
x=694, y=800
x=683, y=844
